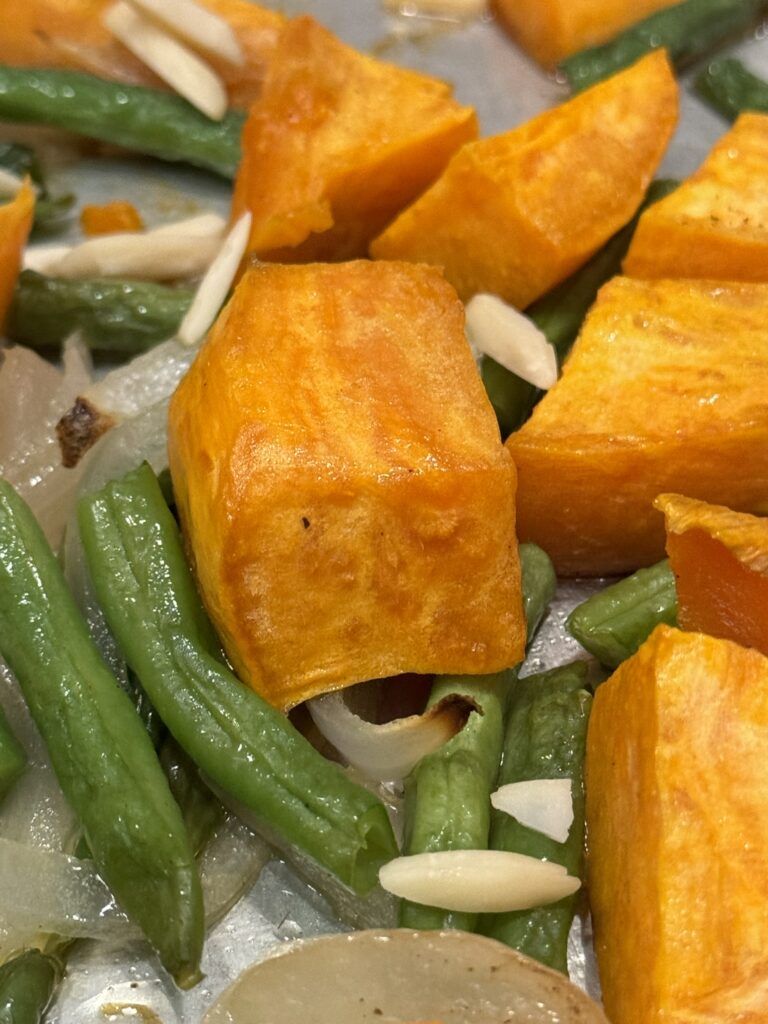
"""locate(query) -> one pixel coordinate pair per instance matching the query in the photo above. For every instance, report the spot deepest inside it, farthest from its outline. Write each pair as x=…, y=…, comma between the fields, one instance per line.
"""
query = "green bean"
x=731, y=89
x=51, y=212
x=545, y=739
x=126, y=317
x=448, y=792
x=244, y=745
x=146, y=120
x=613, y=623
x=560, y=314
x=99, y=749
x=13, y=760
x=688, y=31
x=27, y=984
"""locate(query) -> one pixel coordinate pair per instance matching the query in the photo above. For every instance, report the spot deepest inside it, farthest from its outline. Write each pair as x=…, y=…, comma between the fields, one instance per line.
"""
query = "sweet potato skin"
x=337, y=145
x=678, y=832
x=341, y=482
x=550, y=30
x=516, y=213
x=720, y=561
x=15, y=225
x=663, y=391
x=715, y=225
x=69, y=34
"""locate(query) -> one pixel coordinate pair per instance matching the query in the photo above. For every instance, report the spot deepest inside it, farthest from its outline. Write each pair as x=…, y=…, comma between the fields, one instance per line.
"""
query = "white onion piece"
x=171, y=252
x=387, y=751
x=30, y=408
x=440, y=8
x=506, y=335
x=400, y=977
x=213, y=288
x=545, y=805
x=477, y=881
x=197, y=26
x=177, y=65
x=10, y=183
x=229, y=865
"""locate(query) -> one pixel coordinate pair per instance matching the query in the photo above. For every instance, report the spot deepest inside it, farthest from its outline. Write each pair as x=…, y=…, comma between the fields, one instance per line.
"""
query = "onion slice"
x=401, y=976
x=213, y=288
x=506, y=335
x=168, y=253
x=197, y=26
x=453, y=9
x=177, y=65
x=545, y=805
x=391, y=750
x=477, y=881
x=10, y=183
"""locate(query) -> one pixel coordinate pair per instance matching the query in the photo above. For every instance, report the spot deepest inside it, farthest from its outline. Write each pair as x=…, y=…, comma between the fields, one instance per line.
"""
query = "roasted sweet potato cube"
x=677, y=818
x=720, y=561
x=15, y=225
x=553, y=29
x=665, y=390
x=715, y=225
x=338, y=144
x=517, y=213
x=342, y=485
x=70, y=34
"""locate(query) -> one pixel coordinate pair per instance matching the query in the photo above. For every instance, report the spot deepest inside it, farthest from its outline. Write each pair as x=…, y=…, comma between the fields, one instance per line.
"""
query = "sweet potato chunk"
x=343, y=489
x=70, y=34
x=553, y=29
x=720, y=561
x=337, y=144
x=15, y=224
x=665, y=390
x=677, y=818
x=716, y=224
x=517, y=213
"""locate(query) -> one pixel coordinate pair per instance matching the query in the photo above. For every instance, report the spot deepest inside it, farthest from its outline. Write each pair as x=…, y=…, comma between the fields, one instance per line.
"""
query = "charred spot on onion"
x=79, y=429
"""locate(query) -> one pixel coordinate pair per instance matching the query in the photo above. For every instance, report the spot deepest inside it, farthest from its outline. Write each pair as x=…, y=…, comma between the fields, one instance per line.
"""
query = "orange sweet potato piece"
x=553, y=29
x=677, y=818
x=337, y=145
x=15, y=225
x=109, y=218
x=69, y=34
x=720, y=561
x=715, y=225
x=341, y=482
x=517, y=213
x=665, y=390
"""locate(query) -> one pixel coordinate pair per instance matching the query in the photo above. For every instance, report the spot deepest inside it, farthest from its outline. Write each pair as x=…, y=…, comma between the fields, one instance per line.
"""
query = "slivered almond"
x=217, y=281
x=196, y=25
x=545, y=805
x=508, y=336
x=175, y=63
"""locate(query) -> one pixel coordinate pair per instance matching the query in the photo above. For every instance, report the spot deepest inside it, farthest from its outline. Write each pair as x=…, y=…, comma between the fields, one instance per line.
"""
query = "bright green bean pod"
x=146, y=120
x=731, y=89
x=688, y=31
x=100, y=751
x=244, y=745
x=545, y=739
x=560, y=314
x=613, y=623
x=448, y=792
x=27, y=985
x=124, y=317
x=13, y=760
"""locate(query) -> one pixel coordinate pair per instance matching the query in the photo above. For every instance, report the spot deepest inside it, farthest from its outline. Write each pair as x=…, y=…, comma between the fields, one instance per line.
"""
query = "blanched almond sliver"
x=182, y=69
x=196, y=25
x=545, y=805
x=508, y=336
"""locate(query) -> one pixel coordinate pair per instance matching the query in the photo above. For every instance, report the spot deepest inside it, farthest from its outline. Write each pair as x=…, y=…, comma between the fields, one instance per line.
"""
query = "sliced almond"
x=197, y=26
x=214, y=287
x=477, y=881
x=498, y=330
x=175, y=63
x=545, y=805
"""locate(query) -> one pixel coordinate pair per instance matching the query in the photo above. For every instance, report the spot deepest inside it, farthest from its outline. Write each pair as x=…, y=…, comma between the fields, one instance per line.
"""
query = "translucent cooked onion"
x=477, y=881
x=498, y=330
x=387, y=751
x=545, y=805
x=401, y=977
